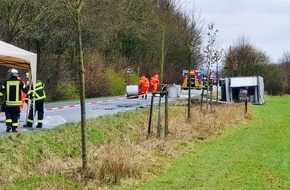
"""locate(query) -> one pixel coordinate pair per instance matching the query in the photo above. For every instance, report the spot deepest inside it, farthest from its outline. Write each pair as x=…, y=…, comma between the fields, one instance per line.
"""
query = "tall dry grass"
x=119, y=161
x=129, y=157
x=142, y=159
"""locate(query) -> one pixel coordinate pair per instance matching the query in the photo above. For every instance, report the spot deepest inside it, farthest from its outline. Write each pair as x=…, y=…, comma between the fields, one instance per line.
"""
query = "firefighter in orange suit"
x=154, y=81
x=144, y=87
x=12, y=89
x=23, y=97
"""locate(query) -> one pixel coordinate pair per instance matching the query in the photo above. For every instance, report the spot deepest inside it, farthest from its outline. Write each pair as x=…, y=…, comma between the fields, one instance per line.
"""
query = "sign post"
x=128, y=72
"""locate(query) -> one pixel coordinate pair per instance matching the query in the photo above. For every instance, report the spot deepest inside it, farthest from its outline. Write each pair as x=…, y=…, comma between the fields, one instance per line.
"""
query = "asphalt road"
x=64, y=112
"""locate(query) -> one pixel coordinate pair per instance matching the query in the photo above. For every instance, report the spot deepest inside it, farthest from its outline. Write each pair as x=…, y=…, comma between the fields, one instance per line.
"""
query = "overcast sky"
x=264, y=23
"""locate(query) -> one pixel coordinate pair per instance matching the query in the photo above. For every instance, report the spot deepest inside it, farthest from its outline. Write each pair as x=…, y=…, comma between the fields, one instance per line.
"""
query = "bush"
x=116, y=82
x=96, y=83
x=67, y=91
x=133, y=79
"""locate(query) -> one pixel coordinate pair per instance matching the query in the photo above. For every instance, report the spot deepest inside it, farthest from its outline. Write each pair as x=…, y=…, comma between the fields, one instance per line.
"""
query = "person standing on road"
x=23, y=96
x=39, y=96
x=154, y=81
x=12, y=89
x=144, y=87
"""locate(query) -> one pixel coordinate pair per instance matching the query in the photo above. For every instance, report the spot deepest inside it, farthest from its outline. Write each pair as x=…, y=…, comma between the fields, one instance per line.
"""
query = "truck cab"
x=191, y=79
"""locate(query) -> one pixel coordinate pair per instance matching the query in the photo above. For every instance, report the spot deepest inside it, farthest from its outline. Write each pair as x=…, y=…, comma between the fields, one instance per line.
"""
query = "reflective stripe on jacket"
x=38, y=93
x=12, y=88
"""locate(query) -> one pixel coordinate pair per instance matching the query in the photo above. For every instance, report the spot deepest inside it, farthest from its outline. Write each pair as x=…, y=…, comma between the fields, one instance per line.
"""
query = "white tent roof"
x=14, y=57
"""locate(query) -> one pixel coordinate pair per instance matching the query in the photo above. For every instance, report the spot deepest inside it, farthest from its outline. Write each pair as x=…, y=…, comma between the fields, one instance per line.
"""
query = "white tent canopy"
x=14, y=57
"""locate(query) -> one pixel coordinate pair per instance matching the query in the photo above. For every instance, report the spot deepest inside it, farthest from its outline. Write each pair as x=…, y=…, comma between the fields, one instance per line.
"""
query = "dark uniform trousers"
x=39, y=108
x=12, y=114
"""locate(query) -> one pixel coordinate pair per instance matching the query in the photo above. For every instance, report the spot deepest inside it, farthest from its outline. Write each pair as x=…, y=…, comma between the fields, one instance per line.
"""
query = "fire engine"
x=195, y=76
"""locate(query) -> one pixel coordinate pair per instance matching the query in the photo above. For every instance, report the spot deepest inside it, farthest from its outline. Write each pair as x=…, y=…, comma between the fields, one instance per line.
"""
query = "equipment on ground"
x=132, y=91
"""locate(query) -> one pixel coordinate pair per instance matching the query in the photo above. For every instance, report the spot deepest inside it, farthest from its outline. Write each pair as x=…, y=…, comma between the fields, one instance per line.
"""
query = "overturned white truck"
x=235, y=89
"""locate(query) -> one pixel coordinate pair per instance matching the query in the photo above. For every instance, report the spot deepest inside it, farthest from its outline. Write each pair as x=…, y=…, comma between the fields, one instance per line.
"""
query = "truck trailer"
x=235, y=89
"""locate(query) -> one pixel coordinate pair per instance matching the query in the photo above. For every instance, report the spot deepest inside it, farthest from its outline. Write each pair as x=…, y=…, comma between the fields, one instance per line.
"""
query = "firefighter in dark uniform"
x=12, y=89
x=39, y=96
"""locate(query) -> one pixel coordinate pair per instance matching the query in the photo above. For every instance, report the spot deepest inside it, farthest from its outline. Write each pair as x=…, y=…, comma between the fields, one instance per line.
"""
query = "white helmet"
x=13, y=72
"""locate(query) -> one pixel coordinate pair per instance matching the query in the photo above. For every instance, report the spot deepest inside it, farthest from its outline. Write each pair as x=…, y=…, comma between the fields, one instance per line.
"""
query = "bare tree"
x=243, y=59
x=285, y=69
x=192, y=41
x=212, y=56
x=74, y=9
x=13, y=13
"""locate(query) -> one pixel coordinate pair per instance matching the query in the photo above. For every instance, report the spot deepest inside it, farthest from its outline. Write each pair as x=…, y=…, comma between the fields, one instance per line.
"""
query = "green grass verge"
x=50, y=159
x=255, y=155
x=252, y=155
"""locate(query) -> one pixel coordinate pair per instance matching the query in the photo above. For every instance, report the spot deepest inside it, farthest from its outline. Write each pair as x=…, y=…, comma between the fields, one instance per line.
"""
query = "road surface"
x=64, y=112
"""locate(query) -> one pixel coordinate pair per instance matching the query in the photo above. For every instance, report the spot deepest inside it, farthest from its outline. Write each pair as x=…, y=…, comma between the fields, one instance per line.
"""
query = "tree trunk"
x=82, y=86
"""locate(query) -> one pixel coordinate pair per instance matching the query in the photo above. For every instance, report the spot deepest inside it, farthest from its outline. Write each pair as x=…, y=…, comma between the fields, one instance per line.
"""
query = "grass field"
x=255, y=155
x=213, y=150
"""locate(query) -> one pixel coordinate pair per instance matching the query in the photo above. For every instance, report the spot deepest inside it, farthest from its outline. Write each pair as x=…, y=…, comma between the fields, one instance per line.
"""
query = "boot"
x=28, y=125
x=8, y=129
x=14, y=130
x=39, y=125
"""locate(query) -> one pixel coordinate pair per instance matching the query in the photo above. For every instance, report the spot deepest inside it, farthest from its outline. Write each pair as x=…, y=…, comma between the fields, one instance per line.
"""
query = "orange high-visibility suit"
x=23, y=98
x=144, y=86
x=154, y=81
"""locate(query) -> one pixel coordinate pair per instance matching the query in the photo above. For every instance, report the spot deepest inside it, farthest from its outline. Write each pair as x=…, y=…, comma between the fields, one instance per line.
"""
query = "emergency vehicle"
x=195, y=76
